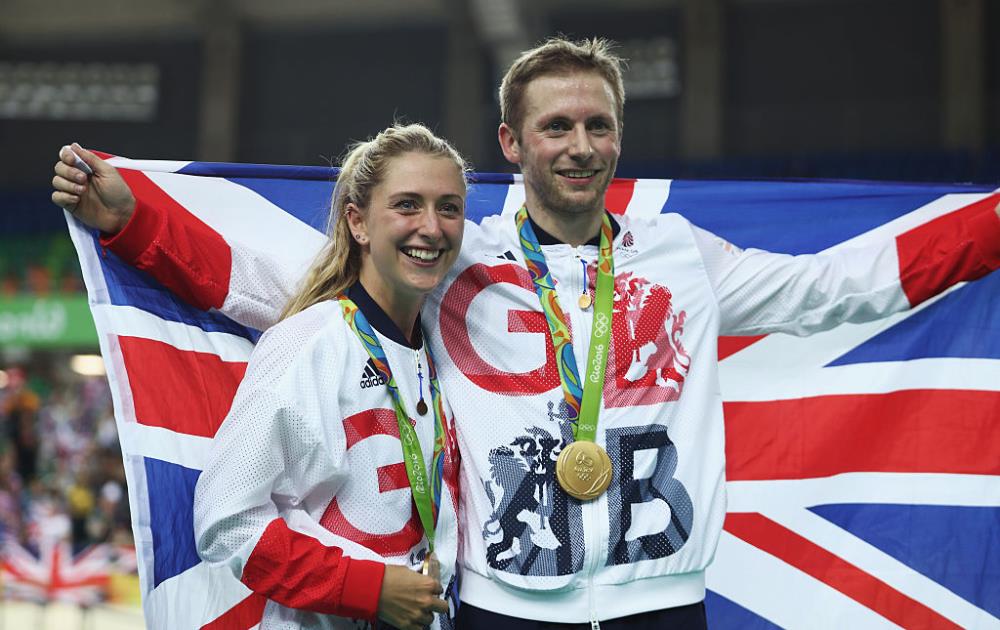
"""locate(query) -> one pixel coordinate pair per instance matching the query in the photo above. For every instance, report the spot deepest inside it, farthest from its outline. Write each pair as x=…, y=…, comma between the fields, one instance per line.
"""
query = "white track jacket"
x=305, y=497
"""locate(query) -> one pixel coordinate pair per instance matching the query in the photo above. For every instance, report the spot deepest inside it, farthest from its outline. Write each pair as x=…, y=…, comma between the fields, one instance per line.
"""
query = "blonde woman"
x=294, y=499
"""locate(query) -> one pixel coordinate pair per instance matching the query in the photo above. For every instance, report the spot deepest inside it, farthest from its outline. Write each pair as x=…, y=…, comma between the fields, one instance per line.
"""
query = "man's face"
x=568, y=144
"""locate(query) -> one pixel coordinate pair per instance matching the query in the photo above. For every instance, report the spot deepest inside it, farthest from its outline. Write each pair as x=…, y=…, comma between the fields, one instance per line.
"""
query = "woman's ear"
x=356, y=222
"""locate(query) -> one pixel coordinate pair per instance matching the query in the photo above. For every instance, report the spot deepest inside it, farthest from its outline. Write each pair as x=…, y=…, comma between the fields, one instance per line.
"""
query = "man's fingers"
x=66, y=155
x=65, y=200
x=95, y=163
x=62, y=184
x=68, y=172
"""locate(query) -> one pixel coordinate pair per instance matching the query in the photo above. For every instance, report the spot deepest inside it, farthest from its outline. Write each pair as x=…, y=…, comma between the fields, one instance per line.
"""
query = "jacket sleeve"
x=270, y=451
x=196, y=263
x=761, y=292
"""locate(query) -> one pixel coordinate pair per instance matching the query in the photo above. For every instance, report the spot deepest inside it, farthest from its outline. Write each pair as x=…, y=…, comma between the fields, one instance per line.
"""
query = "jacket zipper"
x=590, y=507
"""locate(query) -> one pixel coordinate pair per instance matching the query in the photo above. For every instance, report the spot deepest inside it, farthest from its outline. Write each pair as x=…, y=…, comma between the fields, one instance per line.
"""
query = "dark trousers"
x=691, y=617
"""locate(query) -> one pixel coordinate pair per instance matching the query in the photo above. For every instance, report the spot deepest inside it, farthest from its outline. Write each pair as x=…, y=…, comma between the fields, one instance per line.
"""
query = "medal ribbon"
x=426, y=497
x=583, y=397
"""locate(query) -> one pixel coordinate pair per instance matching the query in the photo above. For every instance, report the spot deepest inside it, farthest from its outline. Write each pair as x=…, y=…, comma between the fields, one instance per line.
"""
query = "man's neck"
x=572, y=229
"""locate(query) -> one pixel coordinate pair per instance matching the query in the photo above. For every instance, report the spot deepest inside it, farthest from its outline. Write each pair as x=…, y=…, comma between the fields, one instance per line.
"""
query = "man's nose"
x=580, y=148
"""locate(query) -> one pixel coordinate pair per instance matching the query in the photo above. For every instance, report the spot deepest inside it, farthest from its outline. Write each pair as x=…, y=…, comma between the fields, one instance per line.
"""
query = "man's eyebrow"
x=544, y=120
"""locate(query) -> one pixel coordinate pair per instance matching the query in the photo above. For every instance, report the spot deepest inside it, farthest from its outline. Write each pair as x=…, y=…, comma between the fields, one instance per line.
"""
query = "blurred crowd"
x=37, y=264
x=61, y=473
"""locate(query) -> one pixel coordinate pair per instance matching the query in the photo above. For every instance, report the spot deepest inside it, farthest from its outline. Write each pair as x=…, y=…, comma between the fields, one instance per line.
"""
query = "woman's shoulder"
x=298, y=336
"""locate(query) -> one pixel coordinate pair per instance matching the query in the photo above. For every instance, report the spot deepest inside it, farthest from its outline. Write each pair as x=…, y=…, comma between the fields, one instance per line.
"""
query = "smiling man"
x=579, y=352
x=595, y=497
x=564, y=132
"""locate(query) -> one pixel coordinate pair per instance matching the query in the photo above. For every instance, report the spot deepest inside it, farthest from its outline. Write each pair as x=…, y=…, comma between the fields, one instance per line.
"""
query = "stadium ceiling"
x=30, y=20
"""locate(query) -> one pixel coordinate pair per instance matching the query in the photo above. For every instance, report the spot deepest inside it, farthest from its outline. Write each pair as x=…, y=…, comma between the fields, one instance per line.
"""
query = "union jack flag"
x=863, y=463
x=56, y=574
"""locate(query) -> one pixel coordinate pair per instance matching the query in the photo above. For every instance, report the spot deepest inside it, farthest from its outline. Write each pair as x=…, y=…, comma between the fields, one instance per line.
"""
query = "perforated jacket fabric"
x=305, y=496
x=528, y=549
x=645, y=543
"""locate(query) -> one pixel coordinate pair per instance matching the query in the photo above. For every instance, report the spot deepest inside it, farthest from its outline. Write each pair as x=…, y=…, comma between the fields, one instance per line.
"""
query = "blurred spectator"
x=20, y=416
x=11, y=522
x=61, y=471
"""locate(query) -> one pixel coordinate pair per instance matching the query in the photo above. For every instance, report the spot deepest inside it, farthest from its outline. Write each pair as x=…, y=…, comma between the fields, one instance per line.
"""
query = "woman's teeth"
x=422, y=254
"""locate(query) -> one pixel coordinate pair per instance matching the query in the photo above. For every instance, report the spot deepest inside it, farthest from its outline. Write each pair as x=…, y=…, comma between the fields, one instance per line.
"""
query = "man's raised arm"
x=150, y=230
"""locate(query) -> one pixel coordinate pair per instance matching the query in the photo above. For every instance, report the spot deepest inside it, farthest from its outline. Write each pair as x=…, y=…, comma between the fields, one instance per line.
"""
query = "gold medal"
x=585, y=301
x=583, y=470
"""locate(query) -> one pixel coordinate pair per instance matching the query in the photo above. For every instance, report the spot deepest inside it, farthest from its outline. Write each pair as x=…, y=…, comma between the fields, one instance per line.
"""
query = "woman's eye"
x=406, y=204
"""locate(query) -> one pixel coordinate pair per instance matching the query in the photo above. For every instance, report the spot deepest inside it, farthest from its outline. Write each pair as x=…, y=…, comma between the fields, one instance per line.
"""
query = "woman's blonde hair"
x=338, y=264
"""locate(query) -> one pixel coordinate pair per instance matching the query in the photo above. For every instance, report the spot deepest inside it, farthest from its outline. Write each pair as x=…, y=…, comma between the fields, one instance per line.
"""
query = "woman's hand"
x=102, y=200
x=409, y=600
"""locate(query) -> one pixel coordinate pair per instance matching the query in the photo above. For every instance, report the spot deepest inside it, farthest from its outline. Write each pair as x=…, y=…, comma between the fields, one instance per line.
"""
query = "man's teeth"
x=422, y=254
x=579, y=174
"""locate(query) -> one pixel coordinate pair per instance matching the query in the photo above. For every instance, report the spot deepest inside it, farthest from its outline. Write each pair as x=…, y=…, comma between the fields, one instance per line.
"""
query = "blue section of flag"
x=170, y=490
x=958, y=547
x=796, y=217
x=960, y=325
x=239, y=170
x=483, y=200
x=266, y=171
x=128, y=286
x=308, y=201
x=724, y=613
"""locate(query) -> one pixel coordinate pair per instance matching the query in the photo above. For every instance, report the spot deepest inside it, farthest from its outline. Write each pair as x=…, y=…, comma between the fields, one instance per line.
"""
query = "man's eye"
x=406, y=204
x=558, y=125
x=451, y=208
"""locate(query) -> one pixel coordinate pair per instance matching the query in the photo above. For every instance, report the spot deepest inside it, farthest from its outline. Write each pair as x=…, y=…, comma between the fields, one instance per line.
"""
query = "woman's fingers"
x=439, y=605
x=409, y=599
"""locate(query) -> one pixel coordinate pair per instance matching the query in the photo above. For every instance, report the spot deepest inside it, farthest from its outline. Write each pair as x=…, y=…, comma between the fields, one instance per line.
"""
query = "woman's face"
x=412, y=228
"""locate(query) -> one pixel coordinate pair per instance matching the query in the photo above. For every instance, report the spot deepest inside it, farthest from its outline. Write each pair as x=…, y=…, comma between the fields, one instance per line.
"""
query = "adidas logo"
x=507, y=255
x=371, y=377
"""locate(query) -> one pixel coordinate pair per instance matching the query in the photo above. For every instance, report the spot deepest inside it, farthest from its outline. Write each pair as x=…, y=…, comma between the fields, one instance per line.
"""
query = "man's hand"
x=409, y=600
x=102, y=200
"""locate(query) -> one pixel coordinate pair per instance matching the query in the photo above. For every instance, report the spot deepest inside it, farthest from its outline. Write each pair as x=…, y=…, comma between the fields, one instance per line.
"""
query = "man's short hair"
x=559, y=56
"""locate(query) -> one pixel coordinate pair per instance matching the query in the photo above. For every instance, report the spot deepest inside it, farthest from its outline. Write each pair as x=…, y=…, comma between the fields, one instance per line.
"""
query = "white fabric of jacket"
x=310, y=437
x=645, y=543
